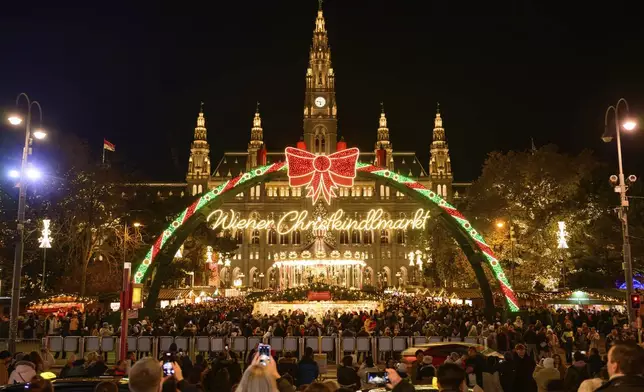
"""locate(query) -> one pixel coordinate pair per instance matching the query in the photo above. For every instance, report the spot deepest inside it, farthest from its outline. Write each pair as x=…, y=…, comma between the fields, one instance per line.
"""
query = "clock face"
x=320, y=101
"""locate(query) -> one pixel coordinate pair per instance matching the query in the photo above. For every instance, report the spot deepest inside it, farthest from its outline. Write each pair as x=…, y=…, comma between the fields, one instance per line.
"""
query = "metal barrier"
x=149, y=345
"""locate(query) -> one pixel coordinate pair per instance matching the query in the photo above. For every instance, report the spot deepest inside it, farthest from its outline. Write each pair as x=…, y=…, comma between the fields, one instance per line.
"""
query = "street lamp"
x=500, y=225
x=45, y=243
x=621, y=187
x=22, y=198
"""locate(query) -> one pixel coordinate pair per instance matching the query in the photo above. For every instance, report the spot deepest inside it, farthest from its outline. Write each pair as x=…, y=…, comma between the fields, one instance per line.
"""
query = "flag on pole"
x=108, y=146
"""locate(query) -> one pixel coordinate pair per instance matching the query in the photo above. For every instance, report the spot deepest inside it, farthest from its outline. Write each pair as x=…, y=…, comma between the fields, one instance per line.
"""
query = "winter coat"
x=624, y=384
x=308, y=371
x=542, y=376
x=23, y=373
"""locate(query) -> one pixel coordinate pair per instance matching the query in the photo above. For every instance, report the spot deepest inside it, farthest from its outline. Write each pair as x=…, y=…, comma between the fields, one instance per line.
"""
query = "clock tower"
x=320, y=110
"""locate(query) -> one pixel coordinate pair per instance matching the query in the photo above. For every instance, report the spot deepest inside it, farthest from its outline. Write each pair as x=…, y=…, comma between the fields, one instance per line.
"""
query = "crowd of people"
x=544, y=349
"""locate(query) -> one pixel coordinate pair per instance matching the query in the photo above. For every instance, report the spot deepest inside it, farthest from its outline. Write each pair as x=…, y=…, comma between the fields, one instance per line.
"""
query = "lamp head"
x=629, y=124
x=15, y=120
x=500, y=225
x=39, y=134
x=607, y=137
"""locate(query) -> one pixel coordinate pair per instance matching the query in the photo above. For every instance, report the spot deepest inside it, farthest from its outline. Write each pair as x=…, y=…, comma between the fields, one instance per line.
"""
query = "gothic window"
x=194, y=189
x=355, y=237
x=382, y=191
x=239, y=237
x=283, y=239
x=367, y=237
x=296, y=237
x=400, y=236
x=255, y=237
x=200, y=189
x=272, y=237
x=445, y=190
x=384, y=237
x=438, y=190
x=322, y=143
x=344, y=237
x=317, y=144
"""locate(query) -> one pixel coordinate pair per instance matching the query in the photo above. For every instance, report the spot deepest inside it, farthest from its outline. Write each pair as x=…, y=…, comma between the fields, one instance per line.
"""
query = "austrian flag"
x=108, y=146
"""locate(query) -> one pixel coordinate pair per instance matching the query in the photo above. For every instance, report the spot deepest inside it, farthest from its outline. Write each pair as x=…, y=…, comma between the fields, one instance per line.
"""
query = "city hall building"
x=377, y=257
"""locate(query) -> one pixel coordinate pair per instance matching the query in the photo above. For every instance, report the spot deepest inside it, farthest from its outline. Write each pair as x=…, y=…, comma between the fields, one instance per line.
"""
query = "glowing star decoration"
x=321, y=173
x=561, y=236
x=45, y=240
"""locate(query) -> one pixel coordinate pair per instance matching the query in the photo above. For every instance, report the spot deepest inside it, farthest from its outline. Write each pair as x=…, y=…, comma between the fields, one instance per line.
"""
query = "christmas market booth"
x=598, y=299
x=62, y=303
x=457, y=296
x=189, y=295
x=317, y=299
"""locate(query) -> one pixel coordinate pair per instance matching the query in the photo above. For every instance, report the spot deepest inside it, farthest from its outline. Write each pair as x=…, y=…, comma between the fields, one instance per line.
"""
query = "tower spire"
x=256, y=133
x=440, y=165
x=199, y=161
x=383, y=142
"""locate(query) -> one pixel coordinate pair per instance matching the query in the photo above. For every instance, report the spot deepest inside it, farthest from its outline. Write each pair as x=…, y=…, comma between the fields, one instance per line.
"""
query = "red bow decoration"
x=321, y=173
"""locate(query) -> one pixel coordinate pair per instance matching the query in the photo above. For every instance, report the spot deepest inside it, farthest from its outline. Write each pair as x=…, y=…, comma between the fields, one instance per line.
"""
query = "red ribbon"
x=321, y=173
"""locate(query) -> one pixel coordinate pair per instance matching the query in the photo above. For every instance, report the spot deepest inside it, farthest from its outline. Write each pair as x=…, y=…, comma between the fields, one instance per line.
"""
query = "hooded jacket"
x=23, y=373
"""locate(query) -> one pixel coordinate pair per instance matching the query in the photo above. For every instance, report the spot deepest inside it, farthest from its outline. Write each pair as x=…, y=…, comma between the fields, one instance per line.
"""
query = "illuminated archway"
x=472, y=243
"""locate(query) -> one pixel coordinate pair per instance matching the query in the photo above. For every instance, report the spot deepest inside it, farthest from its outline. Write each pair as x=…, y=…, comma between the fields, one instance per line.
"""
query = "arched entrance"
x=472, y=243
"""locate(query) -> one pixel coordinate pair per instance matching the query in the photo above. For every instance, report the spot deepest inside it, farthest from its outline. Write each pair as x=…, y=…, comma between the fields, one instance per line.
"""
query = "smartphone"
x=168, y=370
x=226, y=347
x=264, y=353
x=377, y=378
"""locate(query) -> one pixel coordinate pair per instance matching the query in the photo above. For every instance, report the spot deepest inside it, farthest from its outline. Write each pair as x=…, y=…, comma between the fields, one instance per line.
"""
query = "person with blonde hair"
x=263, y=377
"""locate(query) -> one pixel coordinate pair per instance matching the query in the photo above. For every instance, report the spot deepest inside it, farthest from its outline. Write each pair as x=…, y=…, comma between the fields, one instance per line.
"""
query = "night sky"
x=503, y=72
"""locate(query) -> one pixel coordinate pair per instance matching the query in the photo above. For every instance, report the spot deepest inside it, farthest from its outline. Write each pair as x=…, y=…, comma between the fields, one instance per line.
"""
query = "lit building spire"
x=383, y=138
x=440, y=165
x=257, y=133
x=200, y=130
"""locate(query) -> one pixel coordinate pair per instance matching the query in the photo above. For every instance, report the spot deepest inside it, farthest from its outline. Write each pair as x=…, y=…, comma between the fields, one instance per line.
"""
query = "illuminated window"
x=355, y=237
x=283, y=239
x=239, y=236
x=384, y=237
x=200, y=189
x=438, y=190
x=444, y=190
x=272, y=237
x=367, y=237
x=382, y=191
x=296, y=237
x=255, y=237
x=344, y=237
x=194, y=189
x=386, y=192
x=252, y=192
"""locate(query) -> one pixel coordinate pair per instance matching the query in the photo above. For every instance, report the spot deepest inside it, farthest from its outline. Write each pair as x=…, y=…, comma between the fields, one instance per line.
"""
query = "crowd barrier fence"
x=334, y=347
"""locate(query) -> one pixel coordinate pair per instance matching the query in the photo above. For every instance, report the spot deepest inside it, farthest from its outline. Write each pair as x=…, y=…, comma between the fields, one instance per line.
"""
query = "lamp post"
x=620, y=186
x=126, y=293
x=22, y=198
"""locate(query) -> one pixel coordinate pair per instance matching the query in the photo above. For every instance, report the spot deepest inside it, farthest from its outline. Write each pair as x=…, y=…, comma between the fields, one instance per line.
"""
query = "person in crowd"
x=366, y=367
x=524, y=365
x=545, y=372
x=507, y=371
x=577, y=372
x=216, y=379
x=491, y=377
x=559, y=365
x=347, y=375
x=308, y=369
x=106, y=386
x=530, y=339
x=47, y=358
x=427, y=372
x=120, y=369
x=35, y=358
x=474, y=365
x=625, y=368
x=5, y=360
x=25, y=371
x=595, y=363
x=263, y=378
x=317, y=387
x=331, y=385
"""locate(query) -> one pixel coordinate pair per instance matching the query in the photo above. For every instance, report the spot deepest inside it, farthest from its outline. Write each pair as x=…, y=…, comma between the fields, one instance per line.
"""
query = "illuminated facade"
x=383, y=251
